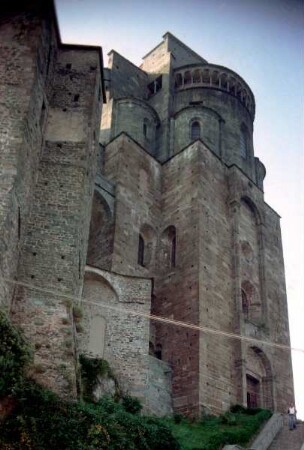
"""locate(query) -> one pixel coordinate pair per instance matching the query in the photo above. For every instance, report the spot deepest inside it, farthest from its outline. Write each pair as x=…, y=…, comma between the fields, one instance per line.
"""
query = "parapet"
x=215, y=77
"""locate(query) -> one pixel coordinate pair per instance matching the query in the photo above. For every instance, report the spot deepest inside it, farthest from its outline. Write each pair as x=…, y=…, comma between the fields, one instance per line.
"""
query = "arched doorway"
x=259, y=379
x=253, y=391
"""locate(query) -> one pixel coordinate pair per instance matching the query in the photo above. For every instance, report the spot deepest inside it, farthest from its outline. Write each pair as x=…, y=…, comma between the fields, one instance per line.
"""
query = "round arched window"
x=195, y=130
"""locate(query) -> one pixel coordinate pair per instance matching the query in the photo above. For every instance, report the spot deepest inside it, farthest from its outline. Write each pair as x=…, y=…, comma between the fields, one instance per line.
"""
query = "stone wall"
x=127, y=80
x=233, y=117
x=160, y=387
x=28, y=41
x=216, y=306
x=139, y=120
x=179, y=228
x=54, y=103
x=114, y=329
x=177, y=287
x=278, y=325
x=137, y=178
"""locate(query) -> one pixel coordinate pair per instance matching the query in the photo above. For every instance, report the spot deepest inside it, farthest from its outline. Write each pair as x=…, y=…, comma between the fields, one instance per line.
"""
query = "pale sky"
x=263, y=41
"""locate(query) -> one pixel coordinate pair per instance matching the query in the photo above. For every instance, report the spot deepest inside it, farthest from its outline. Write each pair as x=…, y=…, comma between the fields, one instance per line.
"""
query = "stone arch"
x=206, y=76
x=97, y=294
x=251, y=304
x=144, y=127
x=253, y=208
x=195, y=128
x=168, y=241
x=259, y=378
x=101, y=235
x=199, y=109
x=146, y=245
x=196, y=75
x=178, y=80
x=224, y=80
x=209, y=134
x=187, y=77
x=247, y=251
x=215, y=80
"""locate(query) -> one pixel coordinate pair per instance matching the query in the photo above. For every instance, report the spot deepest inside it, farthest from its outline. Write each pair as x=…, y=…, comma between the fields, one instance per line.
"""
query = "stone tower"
x=50, y=104
x=186, y=210
x=165, y=216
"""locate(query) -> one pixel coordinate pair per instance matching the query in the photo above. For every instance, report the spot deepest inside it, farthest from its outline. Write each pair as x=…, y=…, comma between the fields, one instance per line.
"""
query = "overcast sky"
x=262, y=40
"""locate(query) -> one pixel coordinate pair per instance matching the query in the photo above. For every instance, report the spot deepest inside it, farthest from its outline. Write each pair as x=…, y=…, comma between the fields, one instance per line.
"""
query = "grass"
x=214, y=432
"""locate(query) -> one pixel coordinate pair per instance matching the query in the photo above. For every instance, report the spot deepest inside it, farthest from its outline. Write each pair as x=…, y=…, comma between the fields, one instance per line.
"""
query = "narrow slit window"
x=141, y=251
x=173, y=252
x=195, y=130
x=146, y=128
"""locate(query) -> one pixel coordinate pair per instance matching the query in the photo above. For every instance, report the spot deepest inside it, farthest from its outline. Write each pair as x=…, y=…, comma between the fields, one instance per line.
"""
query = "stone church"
x=132, y=196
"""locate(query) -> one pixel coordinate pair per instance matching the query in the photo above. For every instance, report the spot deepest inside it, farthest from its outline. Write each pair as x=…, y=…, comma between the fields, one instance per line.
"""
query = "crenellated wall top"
x=215, y=77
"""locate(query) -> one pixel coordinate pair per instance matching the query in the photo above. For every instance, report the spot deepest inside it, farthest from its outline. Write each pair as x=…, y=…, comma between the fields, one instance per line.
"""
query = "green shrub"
x=40, y=420
x=15, y=354
x=178, y=418
x=91, y=369
x=212, y=433
x=131, y=404
x=237, y=409
x=46, y=422
x=228, y=418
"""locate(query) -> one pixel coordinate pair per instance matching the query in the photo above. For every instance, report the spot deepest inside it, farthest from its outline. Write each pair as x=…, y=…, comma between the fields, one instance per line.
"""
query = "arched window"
x=244, y=143
x=178, y=80
x=196, y=76
x=187, y=77
x=141, y=251
x=146, y=128
x=168, y=243
x=195, y=130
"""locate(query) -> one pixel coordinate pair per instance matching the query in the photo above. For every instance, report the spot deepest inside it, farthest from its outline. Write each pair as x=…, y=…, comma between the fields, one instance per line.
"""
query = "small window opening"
x=178, y=80
x=195, y=130
x=141, y=251
x=173, y=252
x=158, y=351
x=76, y=98
x=151, y=348
x=155, y=86
x=187, y=77
x=68, y=66
x=197, y=76
x=206, y=77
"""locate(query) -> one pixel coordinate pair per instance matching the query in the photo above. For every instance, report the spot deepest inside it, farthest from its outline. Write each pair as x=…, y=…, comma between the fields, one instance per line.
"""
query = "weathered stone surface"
x=167, y=215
